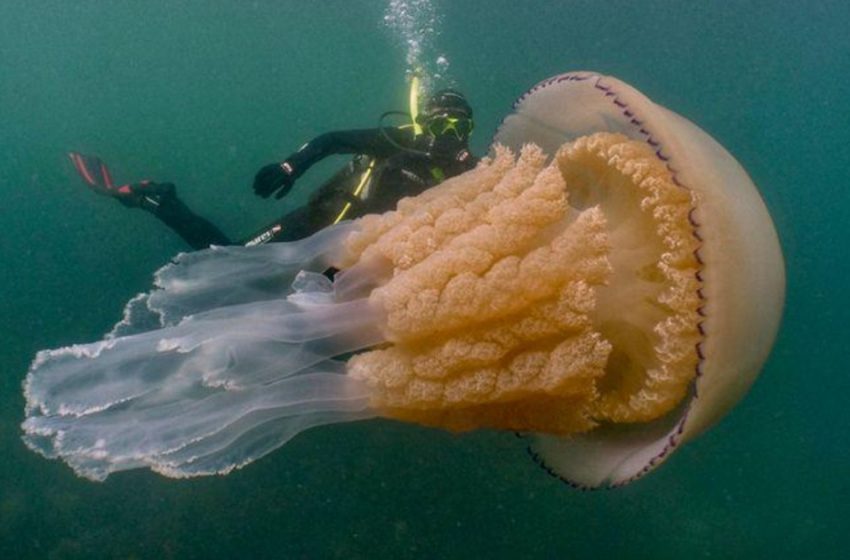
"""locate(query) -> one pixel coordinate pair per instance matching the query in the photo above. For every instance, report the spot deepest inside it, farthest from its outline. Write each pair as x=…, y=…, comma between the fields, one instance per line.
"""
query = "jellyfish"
x=607, y=284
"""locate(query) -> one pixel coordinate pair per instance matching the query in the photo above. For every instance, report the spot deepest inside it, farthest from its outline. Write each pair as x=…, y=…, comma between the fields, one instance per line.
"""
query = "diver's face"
x=447, y=125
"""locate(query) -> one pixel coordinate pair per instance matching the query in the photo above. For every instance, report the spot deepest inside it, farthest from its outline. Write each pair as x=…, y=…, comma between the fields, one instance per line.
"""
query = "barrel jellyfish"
x=607, y=284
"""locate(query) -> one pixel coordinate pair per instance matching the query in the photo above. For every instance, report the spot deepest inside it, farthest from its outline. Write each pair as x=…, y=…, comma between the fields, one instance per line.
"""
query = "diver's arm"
x=371, y=141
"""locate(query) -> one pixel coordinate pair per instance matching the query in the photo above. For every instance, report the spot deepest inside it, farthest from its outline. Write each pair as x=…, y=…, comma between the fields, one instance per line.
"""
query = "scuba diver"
x=389, y=163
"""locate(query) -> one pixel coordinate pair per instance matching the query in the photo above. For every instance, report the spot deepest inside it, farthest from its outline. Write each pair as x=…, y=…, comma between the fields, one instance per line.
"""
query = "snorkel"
x=413, y=103
x=413, y=115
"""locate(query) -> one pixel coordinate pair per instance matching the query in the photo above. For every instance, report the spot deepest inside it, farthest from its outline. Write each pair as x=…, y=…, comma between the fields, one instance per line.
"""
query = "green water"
x=205, y=92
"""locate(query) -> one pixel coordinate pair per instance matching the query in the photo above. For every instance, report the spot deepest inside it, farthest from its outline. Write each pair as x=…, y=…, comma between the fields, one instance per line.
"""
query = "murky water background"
x=203, y=93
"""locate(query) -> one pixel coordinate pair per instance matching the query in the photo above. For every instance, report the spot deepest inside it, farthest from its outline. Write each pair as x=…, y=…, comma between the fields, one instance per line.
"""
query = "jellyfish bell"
x=608, y=282
x=741, y=272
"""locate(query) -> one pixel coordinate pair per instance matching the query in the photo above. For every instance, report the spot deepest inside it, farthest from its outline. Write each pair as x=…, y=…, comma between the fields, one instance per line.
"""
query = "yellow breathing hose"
x=364, y=179
x=414, y=104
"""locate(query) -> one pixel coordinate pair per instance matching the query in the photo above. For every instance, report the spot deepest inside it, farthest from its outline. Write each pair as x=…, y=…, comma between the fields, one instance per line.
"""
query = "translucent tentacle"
x=196, y=434
x=236, y=370
x=223, y=276
x=231, y=347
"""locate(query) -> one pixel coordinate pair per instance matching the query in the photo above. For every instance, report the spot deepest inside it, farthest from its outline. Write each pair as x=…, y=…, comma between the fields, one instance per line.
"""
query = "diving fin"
x=96, y=175
x=145, y=194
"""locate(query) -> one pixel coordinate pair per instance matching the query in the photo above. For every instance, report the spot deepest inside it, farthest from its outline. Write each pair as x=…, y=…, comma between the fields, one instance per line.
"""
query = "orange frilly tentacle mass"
x=535, y=297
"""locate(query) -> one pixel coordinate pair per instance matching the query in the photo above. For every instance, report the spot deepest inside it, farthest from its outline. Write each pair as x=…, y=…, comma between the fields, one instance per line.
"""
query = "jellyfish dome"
x=607, y=283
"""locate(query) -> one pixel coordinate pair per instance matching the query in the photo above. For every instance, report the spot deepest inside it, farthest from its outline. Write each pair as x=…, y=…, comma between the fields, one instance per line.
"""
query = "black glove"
x=274, y=177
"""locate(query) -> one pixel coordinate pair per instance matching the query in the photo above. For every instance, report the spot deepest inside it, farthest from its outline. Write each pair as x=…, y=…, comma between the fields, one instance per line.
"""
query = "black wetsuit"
x=396, y=173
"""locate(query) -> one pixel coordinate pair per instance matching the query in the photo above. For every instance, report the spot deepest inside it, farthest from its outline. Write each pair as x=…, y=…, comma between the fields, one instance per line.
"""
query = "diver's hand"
x=274, y=177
